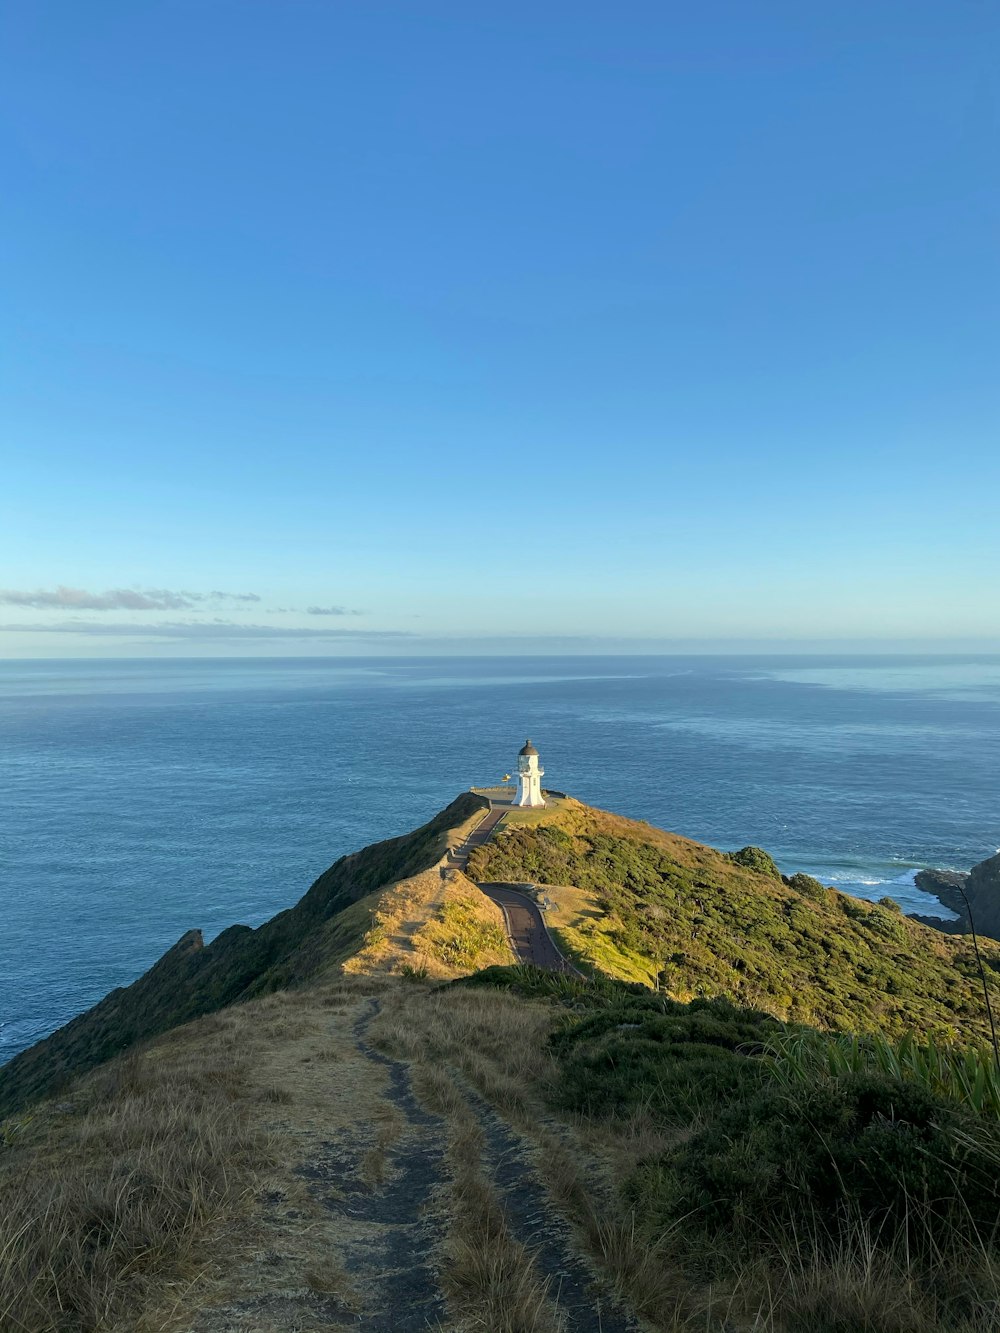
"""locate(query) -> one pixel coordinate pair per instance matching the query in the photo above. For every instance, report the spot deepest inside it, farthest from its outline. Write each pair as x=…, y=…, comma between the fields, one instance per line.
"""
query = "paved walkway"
x=458, y=858
x=526, y=928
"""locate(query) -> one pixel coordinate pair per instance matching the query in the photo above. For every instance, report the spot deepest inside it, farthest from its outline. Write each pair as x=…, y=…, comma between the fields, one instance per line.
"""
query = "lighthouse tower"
x=529, y=777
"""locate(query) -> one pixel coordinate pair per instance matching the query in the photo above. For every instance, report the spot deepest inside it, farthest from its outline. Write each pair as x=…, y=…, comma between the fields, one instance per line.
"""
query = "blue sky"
x=509, y=325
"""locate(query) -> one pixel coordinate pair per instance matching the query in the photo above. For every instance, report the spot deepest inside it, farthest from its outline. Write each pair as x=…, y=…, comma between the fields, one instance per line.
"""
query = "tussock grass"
x=499, y=1044
x=388, y=1125
x=331, y=1279
x=490, y=1275
x=103, y=1194
x=863, y=1282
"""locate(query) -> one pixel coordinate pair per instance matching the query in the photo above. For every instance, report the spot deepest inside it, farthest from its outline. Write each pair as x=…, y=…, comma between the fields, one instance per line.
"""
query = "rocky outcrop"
x=982, y=888
x=943, y=885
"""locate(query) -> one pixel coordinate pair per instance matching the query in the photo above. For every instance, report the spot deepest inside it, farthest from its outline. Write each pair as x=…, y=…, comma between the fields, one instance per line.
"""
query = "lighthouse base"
x=529, y=794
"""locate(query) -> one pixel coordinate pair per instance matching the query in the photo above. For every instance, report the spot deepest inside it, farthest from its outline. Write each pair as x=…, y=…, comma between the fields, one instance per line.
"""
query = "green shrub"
x=965, y=1075
x=812, y=1163
x=794, y=1152
x=807, y=886
x=755, y=858
x=705, y=925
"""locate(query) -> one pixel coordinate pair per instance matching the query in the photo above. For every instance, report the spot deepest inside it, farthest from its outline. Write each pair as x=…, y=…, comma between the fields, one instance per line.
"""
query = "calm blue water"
x=140, y=799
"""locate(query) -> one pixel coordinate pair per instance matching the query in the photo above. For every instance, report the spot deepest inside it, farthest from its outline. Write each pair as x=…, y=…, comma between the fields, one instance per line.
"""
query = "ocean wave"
x=870, y=886
x=869, y=878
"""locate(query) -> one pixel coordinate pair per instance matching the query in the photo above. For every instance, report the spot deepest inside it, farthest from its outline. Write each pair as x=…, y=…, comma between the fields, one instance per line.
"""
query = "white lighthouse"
x=529, y=777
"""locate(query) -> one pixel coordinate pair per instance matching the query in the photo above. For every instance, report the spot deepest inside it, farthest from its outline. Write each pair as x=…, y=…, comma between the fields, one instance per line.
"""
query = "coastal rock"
x=982, y=888
x=944, y=885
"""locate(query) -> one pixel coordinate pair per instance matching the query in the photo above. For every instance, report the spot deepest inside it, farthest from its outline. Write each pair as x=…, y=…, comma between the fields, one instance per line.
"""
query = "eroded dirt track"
x=359, y=1223
x=545, y=1234
x=399, y=1230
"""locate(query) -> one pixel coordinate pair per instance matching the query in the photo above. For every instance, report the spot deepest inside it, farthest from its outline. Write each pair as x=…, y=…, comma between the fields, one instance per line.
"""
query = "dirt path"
x=364, y=1220
x=543, y=1231
x=390, y=1206
x=345, y=1228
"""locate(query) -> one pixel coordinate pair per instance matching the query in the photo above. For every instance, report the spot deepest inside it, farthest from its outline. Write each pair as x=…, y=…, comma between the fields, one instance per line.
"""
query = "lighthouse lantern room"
x=529, y=777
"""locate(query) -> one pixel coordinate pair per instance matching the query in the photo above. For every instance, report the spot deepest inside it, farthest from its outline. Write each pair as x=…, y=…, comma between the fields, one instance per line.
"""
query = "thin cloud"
x=116, y=599
x=331, y=611
x=191, y=629
x=227, y=596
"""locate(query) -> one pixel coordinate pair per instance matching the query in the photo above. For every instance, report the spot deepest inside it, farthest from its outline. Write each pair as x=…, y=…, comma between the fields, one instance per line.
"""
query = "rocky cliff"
x=981, y=886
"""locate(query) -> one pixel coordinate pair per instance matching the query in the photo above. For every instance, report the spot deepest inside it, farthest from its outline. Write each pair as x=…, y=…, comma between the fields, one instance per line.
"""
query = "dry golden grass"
x=436, y=924
x=495, y=1044
x=135, y=1207
x=105, y=1194
x=584, y=933
x=388, y=1125
x=489, y=1276
x=283, y=1258
x=329, y=1278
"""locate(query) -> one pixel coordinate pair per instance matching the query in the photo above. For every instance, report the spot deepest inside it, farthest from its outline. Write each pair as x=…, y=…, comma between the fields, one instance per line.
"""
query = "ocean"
x=143, y=798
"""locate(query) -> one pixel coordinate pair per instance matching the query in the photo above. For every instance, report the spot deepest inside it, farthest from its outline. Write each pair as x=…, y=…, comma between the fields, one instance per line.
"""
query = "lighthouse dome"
x=527, y=748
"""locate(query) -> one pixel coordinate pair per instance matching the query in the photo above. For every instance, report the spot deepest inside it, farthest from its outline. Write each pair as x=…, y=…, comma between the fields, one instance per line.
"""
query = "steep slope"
x=644, y=905
x=590, y=1153
x=192, y=978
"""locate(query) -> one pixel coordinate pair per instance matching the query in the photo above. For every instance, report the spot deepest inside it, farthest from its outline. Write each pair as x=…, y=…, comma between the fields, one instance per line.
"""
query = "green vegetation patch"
x=870, y=1147
x=703, y=924
x=755, y=858
x=858, y=1151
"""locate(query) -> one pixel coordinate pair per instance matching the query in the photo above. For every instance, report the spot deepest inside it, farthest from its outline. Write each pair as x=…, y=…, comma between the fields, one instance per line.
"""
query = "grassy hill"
x=193, y=978
x=629, y=901
x=676, y=1162
x=640, y=904
x=433, y=925
x=595, y=1152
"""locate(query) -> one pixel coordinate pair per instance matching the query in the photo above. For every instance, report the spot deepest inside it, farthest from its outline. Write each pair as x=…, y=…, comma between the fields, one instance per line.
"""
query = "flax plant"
x=966, y=1075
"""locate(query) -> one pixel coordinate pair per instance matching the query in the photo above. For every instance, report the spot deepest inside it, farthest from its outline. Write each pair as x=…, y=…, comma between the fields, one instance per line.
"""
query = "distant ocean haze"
x=143, y=798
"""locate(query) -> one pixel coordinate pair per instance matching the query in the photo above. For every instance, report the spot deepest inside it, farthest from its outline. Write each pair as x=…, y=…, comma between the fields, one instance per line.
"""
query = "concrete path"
x=458, y=857
x=526, y=929
x=530, y=939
